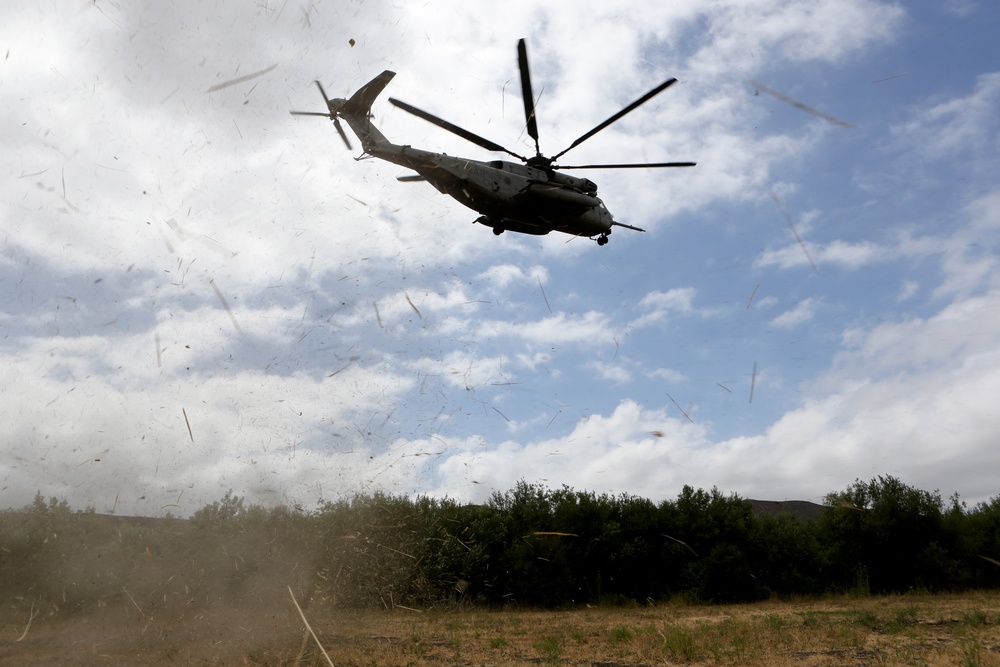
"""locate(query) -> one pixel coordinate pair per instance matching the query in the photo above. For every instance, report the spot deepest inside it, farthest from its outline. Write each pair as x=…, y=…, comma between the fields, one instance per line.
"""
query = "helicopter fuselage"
x=530, y=198
x=510, y=196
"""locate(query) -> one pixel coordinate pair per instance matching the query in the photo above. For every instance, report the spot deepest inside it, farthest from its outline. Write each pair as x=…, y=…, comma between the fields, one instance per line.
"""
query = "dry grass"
x=905, y=630
x=908, y=630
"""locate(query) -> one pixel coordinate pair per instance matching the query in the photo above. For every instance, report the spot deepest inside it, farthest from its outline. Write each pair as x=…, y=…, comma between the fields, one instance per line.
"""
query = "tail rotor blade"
x=526, y=94
x=340, y=131
x=323, y=93
x=331, y=113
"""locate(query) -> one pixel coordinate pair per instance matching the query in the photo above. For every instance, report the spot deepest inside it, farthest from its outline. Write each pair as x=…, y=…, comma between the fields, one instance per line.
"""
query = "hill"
x=800, y=509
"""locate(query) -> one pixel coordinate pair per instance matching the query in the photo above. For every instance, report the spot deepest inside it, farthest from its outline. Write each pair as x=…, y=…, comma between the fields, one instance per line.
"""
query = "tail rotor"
x=334, y=108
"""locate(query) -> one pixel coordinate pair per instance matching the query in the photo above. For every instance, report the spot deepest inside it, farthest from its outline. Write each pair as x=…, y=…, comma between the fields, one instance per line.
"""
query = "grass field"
x=903, y=630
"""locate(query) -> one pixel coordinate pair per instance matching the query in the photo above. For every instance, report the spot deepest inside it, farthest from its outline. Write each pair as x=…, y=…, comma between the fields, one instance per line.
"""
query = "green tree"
x=717, y=528
x=536, y=564
x=788, y=555
x=983, y=543
x=886, y=536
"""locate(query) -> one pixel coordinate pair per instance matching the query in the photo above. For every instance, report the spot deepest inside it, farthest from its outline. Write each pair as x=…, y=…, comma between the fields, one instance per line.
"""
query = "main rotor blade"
x=626, y=166
x=311, y=113
x=526, y=94
x=455, y=129
x=642, y=100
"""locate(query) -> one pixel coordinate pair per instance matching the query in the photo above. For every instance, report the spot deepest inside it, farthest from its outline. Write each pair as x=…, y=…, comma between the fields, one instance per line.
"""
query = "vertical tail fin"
x=361, y=102
x=357, y=110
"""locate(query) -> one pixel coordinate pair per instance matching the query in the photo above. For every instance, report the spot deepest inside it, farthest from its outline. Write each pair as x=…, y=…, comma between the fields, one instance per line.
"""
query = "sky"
x=200, y=292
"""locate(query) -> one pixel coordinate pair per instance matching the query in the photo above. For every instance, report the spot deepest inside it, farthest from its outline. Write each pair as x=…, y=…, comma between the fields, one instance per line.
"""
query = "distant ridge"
x=800, y=509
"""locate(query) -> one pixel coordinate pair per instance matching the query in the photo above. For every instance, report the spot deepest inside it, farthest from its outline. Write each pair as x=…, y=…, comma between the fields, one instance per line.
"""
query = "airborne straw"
x=190, y=433
x=686, y=416
x=246, y=77
x=802, y=244
x=799, y=105
x=309, y=628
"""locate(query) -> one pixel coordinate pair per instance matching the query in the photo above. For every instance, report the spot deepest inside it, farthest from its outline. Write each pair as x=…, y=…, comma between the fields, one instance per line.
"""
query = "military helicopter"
x=530, y=198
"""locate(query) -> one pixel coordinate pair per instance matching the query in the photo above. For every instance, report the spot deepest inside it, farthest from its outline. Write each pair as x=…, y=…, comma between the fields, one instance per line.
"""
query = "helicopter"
x=530, y=197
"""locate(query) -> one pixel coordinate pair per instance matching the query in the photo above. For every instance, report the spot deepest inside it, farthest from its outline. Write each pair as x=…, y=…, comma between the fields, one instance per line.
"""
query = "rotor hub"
x=540, y=162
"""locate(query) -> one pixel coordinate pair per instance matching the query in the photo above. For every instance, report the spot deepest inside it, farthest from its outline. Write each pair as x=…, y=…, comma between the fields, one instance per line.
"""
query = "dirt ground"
x=116, y=636
x=905, y=630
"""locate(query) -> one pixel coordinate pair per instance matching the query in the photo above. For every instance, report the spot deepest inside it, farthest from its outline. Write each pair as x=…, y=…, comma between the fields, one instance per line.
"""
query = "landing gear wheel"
x=602, y=239
x=498, y=230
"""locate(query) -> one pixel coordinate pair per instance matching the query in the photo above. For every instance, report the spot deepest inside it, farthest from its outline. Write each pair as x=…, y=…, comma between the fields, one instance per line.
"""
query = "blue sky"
x=201, y=292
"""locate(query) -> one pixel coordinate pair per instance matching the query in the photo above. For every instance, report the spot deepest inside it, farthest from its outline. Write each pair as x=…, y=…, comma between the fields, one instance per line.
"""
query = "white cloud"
x=908, y=289
x=678, y=299
x=838, y=253
x=660, y=305
x=803, y=311
x=961, y=330
x=611, y=372
x=668, y=374
x=600, y=453
x=851, y=255
x=555, y=329
x=825, y=31
x=957, y=126
x=501, y=275
x=467, y=370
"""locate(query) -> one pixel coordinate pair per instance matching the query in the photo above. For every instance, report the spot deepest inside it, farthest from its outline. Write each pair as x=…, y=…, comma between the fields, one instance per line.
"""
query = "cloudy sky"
x=201, y=292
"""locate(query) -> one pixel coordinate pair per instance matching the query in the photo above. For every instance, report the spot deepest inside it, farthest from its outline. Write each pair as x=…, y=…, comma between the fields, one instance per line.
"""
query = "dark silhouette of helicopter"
x=530, y=198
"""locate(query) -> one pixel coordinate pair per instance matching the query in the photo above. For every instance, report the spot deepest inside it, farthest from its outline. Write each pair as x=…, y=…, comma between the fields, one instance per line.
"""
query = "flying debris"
x=686, y=415
x=798, y=237
x=682, y=543
x=529, y=198
x=799, y=105
x=753, y=293
x=248, y=77
x=188, y=423
x=225, y=304
x=989, y=560
x=550, y=307
x=412, y=305
x=890, y=78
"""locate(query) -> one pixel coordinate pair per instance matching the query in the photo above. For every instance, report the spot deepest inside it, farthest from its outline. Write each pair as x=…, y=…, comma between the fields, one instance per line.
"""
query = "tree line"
x=536, y=546
x=547, y=547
